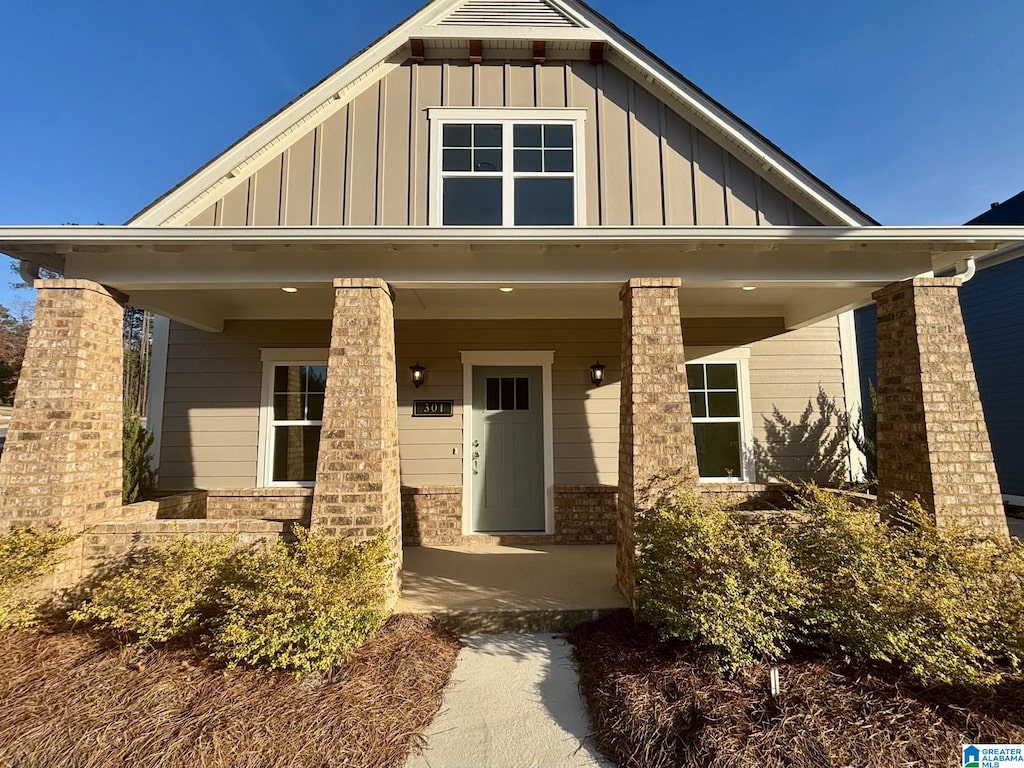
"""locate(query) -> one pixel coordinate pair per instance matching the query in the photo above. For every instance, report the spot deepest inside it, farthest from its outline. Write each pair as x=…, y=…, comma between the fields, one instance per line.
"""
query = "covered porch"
x=773, y=279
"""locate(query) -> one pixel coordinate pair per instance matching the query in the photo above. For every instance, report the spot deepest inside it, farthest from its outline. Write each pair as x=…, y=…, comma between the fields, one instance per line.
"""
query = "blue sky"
x=913, y=109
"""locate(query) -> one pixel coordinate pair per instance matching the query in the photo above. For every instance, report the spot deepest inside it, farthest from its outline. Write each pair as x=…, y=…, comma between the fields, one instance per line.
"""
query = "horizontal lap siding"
x=212, y=396
x=786, y=372
x=368, y=162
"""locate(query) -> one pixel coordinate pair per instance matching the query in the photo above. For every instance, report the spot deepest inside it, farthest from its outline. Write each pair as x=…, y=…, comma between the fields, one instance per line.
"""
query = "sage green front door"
x=507, y=443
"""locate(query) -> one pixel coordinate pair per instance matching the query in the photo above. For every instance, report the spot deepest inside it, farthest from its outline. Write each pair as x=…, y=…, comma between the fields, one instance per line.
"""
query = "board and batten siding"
x=212, y=396
x=368, y=163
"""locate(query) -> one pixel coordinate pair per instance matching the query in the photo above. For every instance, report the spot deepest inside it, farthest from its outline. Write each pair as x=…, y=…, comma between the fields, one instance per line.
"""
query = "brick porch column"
x=357, y=490
x=655, y=429
x=61, y=463
x=933, y=444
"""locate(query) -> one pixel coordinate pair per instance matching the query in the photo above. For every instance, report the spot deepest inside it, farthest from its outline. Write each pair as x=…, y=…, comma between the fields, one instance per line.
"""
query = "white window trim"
x=271, y=358
x=543, y=359
x=740, y=357
x=574, y=116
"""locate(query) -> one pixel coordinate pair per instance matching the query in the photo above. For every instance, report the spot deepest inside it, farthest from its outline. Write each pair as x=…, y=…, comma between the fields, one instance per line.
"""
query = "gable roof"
x=1007, y=212
x=570, y=23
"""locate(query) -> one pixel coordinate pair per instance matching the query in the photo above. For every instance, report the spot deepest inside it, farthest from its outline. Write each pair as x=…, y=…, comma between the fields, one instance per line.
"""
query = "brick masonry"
x=358, y=488
x=655, y=430
x=584, y=514
x=61, y=463
x=293, y=504
x=933, y=443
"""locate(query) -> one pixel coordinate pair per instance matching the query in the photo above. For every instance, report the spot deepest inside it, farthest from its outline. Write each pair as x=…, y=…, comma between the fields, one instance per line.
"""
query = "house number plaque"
x=433, y=408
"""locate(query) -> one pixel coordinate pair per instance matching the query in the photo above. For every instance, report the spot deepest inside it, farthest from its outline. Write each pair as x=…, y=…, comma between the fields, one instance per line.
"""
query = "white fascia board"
x=317, y=104
x=61, y=239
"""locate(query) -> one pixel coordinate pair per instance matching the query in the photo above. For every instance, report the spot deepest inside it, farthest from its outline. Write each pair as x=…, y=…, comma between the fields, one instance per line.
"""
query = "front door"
x=507, y=444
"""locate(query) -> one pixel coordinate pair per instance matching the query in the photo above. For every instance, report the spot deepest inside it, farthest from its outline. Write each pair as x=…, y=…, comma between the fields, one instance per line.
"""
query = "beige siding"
x=212, y=395
x=368, y=163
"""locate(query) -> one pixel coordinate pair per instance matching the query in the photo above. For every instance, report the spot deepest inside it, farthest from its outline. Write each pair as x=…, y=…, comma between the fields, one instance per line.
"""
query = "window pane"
x=314, y=407
x=718, y=449
x=508, y=394
x=558, y=136
x=487, y=135
x=558, y=161
x=722, y=376
x=457, y=160
x=472, y=201
x=288, y=407
x=698, y=406
x=295, y=451
x=493, y=394
x=526, y=136
x=529, y=160
x=487, y=160
x=695, y=376
x=522, y=394
x=723, y=404
x=281, y=378
x=316, y=378
x=544, y=202
x=457, y=136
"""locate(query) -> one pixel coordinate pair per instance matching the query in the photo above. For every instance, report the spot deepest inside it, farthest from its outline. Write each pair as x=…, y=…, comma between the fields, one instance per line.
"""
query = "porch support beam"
x=655, y=427
x=61, y=464
x=933, y=444
x=358, y=493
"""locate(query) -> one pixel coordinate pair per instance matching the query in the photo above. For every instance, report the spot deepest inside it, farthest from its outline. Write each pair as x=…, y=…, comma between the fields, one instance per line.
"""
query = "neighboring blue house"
x=991, y=304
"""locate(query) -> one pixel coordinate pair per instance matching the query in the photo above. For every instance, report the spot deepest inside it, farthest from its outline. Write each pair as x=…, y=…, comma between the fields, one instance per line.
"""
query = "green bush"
x=26, y=554
x=162, y=594
x=708, y=579
x=299, y=606
x=138, y=479
x=304, y=607
x=946, y=603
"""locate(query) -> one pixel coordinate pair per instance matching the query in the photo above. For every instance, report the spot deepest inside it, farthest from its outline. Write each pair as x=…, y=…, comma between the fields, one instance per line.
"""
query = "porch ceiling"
x=204, y=276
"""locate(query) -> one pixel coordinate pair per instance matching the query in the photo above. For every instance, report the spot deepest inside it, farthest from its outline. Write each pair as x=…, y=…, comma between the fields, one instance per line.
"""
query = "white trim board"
x=157, y=386
x=852, y=392
x=535, y=358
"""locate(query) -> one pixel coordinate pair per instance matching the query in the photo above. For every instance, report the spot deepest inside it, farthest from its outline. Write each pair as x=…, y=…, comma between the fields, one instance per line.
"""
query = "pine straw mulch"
x=656, y=704
x=70, y=700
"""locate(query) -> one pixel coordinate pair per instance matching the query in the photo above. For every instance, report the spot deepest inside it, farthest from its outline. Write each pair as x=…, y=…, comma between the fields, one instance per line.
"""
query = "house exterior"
x=502, y=200
x=994, y=329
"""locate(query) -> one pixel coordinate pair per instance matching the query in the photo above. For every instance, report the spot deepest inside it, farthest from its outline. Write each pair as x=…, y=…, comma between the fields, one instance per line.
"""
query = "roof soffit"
x=232, y=167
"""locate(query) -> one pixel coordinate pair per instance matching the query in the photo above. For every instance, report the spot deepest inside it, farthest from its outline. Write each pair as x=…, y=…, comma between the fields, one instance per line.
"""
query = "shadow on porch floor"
x=507, y=589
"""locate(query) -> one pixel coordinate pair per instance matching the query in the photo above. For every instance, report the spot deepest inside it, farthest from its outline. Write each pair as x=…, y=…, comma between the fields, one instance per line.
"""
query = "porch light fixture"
x=418, y=374
x=597, y=374
x=290, y=289
x=506, y=289
x=749, y=287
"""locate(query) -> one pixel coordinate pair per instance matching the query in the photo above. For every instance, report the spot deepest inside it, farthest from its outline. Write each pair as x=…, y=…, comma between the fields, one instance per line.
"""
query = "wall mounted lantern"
x=418, y=374
x=597, y=374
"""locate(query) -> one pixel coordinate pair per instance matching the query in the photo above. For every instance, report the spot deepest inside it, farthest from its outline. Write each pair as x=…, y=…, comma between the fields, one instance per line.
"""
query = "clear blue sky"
x=913, y=109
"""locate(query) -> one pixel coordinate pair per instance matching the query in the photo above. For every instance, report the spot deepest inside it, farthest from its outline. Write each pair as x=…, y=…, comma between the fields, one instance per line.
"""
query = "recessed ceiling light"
x=749, y=287
x=506, y=289
x=290, y=289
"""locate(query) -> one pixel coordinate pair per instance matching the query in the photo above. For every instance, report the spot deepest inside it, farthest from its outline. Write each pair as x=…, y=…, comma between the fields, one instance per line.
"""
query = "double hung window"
x=292, y=416
x=715, y=406
x=494, y=169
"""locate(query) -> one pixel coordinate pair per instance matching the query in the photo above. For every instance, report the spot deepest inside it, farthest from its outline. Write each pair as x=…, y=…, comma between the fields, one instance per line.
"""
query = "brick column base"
x=933, y=444
x=655, y=427
x=61, y=463
x=357, y=492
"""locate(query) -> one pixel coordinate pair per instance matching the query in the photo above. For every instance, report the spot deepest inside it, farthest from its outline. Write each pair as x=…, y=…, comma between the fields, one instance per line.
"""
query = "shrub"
x=304, y=607
x=708, y=579
x=26, y=554
x=138, y=480
x=944, y=602
x=162, y=594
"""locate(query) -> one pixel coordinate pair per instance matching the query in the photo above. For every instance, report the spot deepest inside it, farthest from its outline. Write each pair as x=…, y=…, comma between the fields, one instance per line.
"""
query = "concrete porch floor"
x=496, y=580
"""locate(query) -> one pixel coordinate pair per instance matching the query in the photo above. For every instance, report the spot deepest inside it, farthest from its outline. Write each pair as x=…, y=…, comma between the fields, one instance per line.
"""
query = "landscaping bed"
x=71, y=699
x=657, y=704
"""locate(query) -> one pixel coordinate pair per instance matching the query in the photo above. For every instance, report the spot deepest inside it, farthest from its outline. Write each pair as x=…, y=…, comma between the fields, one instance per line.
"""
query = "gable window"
x=718, y=408
x=294, y=384
x=500, y=167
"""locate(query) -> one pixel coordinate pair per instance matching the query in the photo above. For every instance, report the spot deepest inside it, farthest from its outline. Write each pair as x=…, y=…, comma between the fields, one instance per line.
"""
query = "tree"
x=14, y=328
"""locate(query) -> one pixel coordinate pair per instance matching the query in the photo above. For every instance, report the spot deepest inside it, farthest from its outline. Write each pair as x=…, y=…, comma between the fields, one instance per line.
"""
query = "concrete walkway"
x=513, y=703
